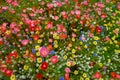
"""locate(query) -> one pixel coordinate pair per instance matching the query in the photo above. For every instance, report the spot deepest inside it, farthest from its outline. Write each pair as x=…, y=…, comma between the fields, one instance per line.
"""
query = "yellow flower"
x=42, y=35
x=65, y=57
x=12, y=77
x=26, y=67
x=117, y=51
x=30, y=59
x=85, y=46
x=81, y=78
x=73, y=50
x=8, y=32
x=39, y=60
x=75, y=72
x=68, y=64
x=21, y=23
x=94, y=42
x=37, y=32
x=96, y=38
x=111, y=42
x=101, y=79
x=37, y=54
x=81, y=43
x=55, y=42
x=109, y=60
x=100, y=64
x=68, y=48
x=73, y=39
x=39, y=40
x=105, y=49
x=115, y=41
x=87, y=78
x=55, y=36
x=84, y=75
x=37, y=47
x=73, y=63
x=70, y=45
x=73, y=55
x=113, y=38
x=75, y=30
x=56, y=46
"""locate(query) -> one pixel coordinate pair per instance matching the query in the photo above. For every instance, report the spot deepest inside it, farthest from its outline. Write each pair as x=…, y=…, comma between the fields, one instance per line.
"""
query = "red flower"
x=98, y=29
x=36, y=37
x=113, y=74
x=14, y=54
x=44, y=65
x=63, y=36
x=8, y=72
x=39, y=76
x=97, y=75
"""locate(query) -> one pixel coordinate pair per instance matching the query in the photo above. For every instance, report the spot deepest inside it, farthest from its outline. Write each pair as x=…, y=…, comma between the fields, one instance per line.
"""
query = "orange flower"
x=49, y=47
x=63, y=36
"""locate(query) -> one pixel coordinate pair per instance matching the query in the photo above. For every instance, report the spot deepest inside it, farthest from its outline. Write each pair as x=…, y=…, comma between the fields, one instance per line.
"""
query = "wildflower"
x=54, y=59
x=43, y=51
x=44, y=65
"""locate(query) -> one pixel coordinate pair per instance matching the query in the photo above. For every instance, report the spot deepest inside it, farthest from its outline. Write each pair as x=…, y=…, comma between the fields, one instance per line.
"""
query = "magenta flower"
x=43, y=51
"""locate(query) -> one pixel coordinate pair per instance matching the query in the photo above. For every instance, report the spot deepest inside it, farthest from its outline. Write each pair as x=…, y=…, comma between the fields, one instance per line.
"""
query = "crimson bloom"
x=39, y=76
x=44, y=65
x=113, y=74
x=8, y=72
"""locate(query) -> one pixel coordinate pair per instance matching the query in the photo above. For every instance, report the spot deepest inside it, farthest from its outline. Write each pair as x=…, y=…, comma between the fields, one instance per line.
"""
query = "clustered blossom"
x=59, y=39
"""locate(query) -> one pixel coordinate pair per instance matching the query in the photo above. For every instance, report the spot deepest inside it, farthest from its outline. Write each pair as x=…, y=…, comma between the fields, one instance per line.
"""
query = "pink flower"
x=103, y=16
x=49, y=25
x=67, y=70
x=40, y=11
x=72, y=12
x=73, y=35
x=8, y=1
x=12, y=25
x=43, y=51
x=118, y=6
x=15, y=3
x=107, y=1
x=97, y=75
x=85, y=3
x=24, y=42
x=77, y=12
x=56, y=18
x=54, y=59
x=5, y=7
x=50, y=6
x=4, y=24
x=118, y=76
x=107, y=38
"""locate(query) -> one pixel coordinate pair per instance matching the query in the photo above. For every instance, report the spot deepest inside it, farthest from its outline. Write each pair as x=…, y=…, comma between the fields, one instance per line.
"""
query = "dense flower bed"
x=59, y=39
